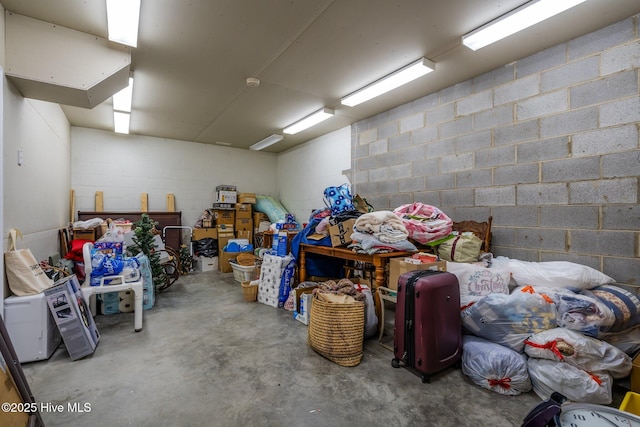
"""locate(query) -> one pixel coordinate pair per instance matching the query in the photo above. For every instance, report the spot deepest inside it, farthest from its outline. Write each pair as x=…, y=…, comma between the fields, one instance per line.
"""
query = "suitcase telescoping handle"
x=417, y=275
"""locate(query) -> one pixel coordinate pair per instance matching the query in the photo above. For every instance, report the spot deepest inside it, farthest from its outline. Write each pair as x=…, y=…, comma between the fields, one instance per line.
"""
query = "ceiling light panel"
x=268, y=141
x=309, y=121
x=518, y=19
x=394, y=80
x=121, y=122
x=122, y=99
x=122, y=21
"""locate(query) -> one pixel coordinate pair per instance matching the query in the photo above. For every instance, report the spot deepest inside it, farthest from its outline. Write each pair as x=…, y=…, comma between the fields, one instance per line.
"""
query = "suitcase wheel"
x=425, y=378
x=395, y=363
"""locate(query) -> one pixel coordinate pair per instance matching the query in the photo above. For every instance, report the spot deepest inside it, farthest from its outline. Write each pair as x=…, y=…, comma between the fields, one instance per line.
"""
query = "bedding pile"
x=425, y=223
x=380, y=231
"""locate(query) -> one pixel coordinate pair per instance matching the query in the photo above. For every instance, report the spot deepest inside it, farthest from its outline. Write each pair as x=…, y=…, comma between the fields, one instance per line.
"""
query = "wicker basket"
x=250, y=291
x=336, y=331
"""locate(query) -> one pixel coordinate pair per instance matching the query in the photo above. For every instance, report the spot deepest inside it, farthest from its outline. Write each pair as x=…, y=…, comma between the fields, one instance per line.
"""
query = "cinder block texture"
x=548, y=145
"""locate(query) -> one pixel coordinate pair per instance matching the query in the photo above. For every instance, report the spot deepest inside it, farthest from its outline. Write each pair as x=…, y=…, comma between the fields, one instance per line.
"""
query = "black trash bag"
x=206, y=247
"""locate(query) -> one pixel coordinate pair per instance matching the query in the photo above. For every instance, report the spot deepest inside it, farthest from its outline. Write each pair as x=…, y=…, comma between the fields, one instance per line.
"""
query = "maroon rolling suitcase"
x=427, y=332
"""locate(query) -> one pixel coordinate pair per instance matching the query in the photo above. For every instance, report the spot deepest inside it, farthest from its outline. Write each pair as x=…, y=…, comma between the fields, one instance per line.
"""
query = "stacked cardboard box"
x=244, y=222
x=341, y=233
x=398, y=266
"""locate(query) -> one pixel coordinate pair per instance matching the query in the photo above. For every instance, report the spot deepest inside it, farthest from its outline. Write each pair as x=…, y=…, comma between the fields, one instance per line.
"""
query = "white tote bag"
x=24, y=274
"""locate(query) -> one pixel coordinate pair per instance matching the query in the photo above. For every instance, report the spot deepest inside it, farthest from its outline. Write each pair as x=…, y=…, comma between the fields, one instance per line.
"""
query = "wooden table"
x=379, y=260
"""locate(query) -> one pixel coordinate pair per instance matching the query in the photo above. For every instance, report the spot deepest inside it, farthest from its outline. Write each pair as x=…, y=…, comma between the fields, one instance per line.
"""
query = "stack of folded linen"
x=380, y=231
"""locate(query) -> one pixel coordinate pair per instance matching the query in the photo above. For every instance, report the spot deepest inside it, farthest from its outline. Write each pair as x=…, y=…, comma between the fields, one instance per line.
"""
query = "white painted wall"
x=306, y=170
x=125, y=166
x=35, y=194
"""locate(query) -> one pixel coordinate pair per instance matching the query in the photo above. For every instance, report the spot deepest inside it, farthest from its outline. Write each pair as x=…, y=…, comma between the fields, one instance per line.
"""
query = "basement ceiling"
x=194, y=56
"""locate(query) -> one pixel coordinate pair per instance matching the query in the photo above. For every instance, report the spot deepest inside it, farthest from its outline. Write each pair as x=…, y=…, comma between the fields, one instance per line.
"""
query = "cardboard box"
x=73, y=317
x=635, y=374
x=224, y=216
x=247, y=198
x=244, y=224
x=261, y=227
x=203, y=233
x=224, y=230
x=298, y=292
x=10, y=394
x=203, y=264
x=258, y=217
x=245, y=234
x=92, y=234
x=304, y=308
x=224, y=257
x=341, y=233
x=243, y=210
x=397, y=267
x=224, y=206
x=223, y=261
x=226, y=197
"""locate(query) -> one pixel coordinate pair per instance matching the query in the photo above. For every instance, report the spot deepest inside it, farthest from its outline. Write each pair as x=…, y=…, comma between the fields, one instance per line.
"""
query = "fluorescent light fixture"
x=121, y=122
x=122, y=99
x=396, y=79
x=518, y=19
x=307, y=122
x=268, y=141
x=122, y=21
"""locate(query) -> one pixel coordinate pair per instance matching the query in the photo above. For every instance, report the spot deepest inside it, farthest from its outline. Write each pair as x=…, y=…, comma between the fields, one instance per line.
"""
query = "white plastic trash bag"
x=552, y=274
x=586, y=353
x=575, y=384
x=495, y=367
x=510, y=319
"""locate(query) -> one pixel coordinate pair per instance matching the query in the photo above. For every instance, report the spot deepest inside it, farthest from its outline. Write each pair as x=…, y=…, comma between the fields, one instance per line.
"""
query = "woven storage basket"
x=246, y=259
x=336, y=331
x=250, y=291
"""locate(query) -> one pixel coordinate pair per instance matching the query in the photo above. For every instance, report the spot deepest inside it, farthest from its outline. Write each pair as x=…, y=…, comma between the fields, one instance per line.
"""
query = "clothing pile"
x=380, y=231
x=341, y=287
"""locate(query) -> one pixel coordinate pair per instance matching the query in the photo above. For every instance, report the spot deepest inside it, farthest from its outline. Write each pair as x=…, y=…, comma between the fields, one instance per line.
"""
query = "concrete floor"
x=207, y=358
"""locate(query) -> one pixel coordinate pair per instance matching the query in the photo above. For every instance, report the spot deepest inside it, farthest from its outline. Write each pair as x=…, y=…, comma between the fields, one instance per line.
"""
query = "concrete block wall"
x=547, y=145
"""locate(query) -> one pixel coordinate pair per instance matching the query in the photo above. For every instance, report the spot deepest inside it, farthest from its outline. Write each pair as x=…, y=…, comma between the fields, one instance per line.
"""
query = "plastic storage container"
x=242, y=273
x=631, y=403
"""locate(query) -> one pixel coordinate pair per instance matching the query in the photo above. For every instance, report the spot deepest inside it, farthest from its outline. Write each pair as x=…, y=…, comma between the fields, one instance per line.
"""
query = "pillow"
x=270, y=206
x=477, y=281
x=553, y=274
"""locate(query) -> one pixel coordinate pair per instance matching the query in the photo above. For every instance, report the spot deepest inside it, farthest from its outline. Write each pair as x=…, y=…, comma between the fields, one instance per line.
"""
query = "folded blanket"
x=424, y=223
x=384, y=225
x=369, y=241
